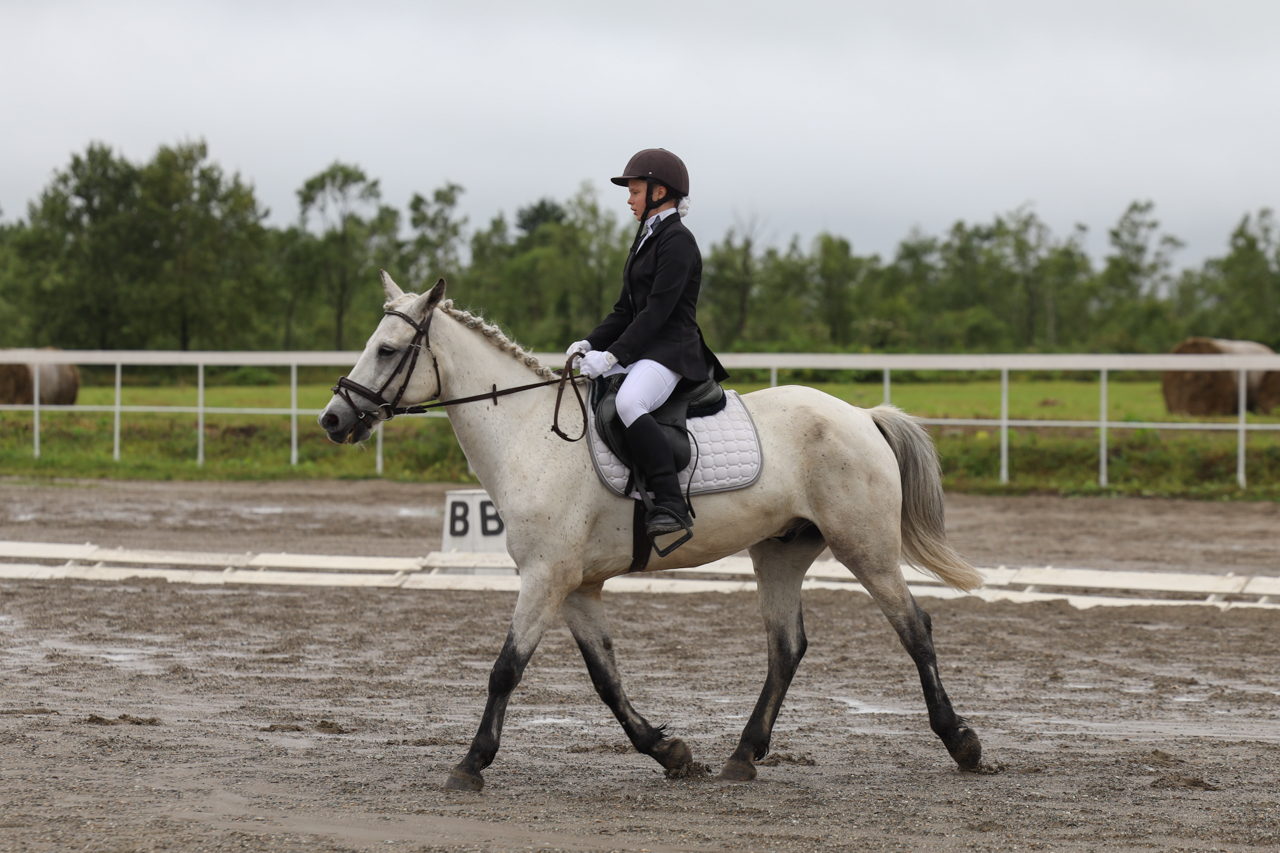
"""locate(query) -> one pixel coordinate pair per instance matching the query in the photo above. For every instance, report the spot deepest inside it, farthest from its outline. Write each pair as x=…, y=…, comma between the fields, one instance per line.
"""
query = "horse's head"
x=392, y=371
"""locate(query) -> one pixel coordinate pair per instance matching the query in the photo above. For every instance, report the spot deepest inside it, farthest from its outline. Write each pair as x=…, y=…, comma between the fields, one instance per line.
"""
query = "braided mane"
x=495, y=335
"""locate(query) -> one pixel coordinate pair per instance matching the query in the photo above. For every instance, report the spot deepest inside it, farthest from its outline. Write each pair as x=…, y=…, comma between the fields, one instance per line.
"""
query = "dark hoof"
x=673, y=754
x=967, y=750
x=737, y=770
x=460, y=780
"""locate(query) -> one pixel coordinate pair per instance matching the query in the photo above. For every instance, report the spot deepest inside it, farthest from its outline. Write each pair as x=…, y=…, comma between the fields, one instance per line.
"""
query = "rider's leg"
x=657, y=468
x=647, y=386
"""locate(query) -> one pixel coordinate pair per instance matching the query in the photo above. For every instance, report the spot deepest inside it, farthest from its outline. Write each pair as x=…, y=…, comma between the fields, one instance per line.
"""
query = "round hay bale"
x=15, y=384
x=1269, y=392
x=1211, y=392
x=59, y=384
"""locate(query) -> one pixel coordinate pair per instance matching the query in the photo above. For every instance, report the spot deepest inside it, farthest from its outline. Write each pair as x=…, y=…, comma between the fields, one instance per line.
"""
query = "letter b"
x=490, y=521
x=458, y=523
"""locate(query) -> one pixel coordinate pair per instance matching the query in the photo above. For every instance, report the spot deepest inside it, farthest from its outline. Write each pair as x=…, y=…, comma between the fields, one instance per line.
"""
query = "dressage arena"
x=146, y=715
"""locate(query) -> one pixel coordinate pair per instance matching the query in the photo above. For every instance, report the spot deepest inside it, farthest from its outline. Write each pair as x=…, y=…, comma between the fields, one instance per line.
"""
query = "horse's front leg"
x=541, y=593
x=585, y=615
x=780, y=572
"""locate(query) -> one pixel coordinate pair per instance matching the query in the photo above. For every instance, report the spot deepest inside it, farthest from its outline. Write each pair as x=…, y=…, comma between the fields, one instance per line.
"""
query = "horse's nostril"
x=330, y=421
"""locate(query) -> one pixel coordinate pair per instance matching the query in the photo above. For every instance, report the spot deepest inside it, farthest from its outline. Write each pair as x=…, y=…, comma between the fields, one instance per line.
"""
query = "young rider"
x=652, y=335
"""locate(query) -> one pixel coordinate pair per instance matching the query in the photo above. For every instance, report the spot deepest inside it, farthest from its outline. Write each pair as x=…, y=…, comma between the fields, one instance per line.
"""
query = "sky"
x=794, y=118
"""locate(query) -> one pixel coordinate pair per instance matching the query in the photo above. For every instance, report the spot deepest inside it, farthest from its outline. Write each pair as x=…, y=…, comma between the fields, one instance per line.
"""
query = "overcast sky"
x=863, y=119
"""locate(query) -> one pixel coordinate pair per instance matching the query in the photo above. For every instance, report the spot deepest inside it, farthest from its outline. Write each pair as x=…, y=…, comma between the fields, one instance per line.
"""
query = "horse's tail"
x=924, y=535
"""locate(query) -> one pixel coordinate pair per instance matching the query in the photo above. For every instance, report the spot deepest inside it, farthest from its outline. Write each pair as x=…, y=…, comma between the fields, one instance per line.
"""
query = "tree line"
x=174, y=253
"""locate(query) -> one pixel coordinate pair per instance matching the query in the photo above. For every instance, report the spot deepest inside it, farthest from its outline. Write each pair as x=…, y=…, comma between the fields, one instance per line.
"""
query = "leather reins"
x=385, y=410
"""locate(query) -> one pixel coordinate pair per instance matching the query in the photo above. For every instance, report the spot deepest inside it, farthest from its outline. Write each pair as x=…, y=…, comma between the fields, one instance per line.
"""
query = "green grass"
x=1029, y=400
x=243, y=447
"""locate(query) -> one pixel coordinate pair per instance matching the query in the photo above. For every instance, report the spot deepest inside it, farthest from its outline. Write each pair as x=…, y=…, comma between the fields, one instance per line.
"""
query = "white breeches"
x=647, y=386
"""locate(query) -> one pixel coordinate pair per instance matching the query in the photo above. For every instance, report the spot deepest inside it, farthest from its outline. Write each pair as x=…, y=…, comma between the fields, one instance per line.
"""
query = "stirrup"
x=653, y=535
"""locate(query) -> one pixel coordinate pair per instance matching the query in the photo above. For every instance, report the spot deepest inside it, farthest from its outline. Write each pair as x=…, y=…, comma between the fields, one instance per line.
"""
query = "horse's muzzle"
x=343, y=429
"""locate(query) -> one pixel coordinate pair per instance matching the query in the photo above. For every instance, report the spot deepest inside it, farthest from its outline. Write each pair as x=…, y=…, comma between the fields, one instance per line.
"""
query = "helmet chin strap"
x=649, y=204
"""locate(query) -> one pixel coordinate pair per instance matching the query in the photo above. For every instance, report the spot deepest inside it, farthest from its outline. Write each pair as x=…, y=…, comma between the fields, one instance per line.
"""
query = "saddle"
x=690, y=399
x=697, y=414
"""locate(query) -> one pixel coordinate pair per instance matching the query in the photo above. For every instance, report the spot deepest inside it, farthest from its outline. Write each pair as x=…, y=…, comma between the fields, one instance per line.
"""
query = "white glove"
x=583, y=347
x=597, y=363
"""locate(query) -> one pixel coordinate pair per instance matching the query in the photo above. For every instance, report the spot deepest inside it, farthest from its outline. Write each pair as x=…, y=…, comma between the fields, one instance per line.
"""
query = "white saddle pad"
x=727, y=455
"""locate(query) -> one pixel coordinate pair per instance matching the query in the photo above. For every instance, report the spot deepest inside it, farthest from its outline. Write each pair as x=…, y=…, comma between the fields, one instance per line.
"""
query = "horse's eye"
x=386, y=351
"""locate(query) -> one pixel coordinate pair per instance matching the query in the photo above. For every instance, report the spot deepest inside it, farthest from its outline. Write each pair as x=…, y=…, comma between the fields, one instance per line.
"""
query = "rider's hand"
x=596, y=363
x=583, y=347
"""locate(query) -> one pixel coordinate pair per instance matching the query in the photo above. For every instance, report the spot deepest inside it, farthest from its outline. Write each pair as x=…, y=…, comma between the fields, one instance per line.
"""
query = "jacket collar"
x=664, y=222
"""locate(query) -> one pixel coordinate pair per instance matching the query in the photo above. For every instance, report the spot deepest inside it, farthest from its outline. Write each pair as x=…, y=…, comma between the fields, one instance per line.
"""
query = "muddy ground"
x=373, y=517
x=150, y=716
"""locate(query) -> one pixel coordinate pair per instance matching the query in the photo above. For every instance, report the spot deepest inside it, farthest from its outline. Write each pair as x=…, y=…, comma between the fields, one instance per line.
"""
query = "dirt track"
x=373, y=517
x=313, y=719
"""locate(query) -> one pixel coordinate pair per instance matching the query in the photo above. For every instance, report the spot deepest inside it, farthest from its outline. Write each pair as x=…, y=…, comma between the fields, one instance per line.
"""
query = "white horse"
x=864, y=482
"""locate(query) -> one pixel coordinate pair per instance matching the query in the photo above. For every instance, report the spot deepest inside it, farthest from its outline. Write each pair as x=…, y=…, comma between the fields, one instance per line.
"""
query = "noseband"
x=386, y=410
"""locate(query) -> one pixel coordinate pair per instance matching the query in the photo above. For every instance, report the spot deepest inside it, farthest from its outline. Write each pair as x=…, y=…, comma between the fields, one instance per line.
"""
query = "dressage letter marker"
x=472, y=523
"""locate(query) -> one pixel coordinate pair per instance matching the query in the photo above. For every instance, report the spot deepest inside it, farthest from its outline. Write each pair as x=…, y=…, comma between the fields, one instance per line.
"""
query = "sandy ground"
x=376, y=518
x=149, y=716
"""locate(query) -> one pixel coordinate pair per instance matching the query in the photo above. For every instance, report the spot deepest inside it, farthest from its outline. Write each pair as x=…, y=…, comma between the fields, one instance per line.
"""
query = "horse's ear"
x=437, y=293
x=427, y=302
x=392, y=289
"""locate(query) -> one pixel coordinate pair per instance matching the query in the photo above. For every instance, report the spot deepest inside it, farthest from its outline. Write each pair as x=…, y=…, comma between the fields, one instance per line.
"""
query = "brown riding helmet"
x=660, y=165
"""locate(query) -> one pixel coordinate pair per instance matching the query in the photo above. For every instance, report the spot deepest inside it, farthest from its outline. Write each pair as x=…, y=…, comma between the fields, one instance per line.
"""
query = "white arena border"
x=496, y=572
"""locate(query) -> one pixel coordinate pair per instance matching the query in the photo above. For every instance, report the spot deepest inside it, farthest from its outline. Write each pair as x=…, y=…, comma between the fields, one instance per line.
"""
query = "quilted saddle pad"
x=726, y=453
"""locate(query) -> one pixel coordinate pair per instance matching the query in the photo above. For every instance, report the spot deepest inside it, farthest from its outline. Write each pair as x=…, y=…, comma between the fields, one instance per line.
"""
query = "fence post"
x=35, y=408
x=293, y=413
x=1102, y=433
x=886, y=386
x=1242, y=403
x=200, y=414
x=380, y=423
x=1004, y=425
x=115, y=429
x=773, y=376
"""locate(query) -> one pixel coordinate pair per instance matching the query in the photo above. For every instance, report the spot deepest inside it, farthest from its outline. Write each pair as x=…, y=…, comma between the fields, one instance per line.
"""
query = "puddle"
x=131, y=659
x=1252, y=729
x=856, y=707
x=411, y=512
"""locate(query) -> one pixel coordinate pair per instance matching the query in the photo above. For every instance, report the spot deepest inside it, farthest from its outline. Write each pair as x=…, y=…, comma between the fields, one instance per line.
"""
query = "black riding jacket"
x=656, y=316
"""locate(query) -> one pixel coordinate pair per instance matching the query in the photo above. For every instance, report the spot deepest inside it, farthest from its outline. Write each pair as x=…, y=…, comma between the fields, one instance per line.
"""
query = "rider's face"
x=636, y=188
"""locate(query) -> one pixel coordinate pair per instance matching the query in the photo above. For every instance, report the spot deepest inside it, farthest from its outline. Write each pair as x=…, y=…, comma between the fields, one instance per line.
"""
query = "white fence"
x=773, y=362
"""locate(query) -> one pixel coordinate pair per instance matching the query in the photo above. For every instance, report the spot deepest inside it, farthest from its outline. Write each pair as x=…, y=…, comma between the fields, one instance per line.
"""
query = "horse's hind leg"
x=780, y=572
x=585, y=615
x=883, y=579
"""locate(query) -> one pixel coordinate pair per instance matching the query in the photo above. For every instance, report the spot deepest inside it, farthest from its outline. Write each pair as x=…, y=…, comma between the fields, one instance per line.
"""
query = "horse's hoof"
x=967, y=750
x=461, y=780
x=737, y=770
x=674, y=754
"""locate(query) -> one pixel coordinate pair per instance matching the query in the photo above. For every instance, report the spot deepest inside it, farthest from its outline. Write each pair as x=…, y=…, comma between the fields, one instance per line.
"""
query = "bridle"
x=386, y=410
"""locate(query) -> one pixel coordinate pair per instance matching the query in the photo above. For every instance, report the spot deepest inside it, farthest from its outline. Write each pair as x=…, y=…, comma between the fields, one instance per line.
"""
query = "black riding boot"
x=656, y=466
